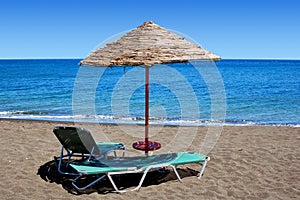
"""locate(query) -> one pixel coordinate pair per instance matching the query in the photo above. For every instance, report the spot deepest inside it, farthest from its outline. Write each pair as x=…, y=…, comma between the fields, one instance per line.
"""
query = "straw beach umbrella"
x=146, y=46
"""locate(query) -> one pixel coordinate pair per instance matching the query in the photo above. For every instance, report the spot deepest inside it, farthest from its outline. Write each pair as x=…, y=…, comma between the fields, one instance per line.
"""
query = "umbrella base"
x=141, y=145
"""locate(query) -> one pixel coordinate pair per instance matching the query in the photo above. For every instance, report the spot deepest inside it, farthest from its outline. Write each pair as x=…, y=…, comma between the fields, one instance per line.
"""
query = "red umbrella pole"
x=147, y=111
x=146, y=145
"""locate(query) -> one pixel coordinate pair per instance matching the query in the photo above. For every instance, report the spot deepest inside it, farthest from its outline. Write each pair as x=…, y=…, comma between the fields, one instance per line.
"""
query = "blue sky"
x=72, y=28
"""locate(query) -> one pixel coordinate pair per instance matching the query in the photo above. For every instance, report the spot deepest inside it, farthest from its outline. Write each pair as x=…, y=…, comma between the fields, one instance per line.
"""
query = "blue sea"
x=230, y=92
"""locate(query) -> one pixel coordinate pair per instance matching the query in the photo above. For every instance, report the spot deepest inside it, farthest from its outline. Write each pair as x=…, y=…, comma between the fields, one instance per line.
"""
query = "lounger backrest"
x=77, y=140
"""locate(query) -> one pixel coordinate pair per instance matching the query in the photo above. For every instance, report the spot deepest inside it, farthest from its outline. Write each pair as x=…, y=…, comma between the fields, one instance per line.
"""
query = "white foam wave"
x=132, y=120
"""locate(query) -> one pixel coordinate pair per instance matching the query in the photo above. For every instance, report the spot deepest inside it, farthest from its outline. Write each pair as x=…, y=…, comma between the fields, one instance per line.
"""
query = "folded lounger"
x=79, y=142
x=139, y=164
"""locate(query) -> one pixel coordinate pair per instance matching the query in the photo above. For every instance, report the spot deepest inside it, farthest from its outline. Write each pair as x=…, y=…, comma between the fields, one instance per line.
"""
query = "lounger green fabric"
x=139, y=164
x=78, y=141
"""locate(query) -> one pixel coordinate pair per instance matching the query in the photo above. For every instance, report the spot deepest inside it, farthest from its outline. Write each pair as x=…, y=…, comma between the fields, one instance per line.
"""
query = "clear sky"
x=72, y=28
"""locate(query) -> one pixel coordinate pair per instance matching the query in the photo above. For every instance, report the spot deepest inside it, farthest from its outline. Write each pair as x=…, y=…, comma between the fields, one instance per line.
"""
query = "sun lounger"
x=79, y=142
x=139, y=164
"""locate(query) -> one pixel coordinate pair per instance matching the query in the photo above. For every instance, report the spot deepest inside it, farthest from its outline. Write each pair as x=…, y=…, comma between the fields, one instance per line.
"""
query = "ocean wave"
x=22, y=113
x=108, y=119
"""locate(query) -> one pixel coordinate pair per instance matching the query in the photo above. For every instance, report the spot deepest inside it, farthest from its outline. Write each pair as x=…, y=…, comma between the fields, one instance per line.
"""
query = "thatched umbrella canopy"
x=147, y=45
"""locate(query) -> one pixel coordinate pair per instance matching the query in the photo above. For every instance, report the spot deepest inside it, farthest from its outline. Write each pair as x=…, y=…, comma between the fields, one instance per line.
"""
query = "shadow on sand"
x=49, y=173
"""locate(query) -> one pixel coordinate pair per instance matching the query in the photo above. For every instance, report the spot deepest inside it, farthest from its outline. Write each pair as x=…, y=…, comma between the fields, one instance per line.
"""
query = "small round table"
x=141, y=145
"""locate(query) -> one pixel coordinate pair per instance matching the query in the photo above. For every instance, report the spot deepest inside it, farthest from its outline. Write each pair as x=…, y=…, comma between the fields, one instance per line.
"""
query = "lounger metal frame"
x=134, y=170
x=83, y=156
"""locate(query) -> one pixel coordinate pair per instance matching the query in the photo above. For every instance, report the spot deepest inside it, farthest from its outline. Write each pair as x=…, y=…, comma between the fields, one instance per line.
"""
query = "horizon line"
x=77, y=58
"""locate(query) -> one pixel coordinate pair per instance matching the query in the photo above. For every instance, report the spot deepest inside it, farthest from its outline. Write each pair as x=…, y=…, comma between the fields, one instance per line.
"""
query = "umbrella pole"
x=147, y=111
x=146, y=145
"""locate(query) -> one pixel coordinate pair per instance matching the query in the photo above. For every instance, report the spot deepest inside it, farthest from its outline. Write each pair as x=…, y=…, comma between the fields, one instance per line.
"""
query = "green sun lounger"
x=79, y=142
x=139, y=164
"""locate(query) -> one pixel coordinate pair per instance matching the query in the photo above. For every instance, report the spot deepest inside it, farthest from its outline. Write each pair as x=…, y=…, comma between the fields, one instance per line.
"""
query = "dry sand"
x=251, y=162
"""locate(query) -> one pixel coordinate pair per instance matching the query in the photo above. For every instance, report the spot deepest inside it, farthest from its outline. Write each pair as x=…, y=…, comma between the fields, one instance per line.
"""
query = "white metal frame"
x=134, y=170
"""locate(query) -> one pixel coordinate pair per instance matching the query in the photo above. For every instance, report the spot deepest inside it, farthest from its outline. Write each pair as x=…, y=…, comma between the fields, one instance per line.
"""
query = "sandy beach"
x=248, y=162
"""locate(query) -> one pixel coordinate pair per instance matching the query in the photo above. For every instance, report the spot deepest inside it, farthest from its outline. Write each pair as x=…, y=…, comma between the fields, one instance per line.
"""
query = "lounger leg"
x=142, y=180
x=138, y=187
x=60, y=161
x=176, y=172
x=70, y=154
x=124, y=150
x=58, y=167
x=202, y=169
x=88, y=185
x=114, y=185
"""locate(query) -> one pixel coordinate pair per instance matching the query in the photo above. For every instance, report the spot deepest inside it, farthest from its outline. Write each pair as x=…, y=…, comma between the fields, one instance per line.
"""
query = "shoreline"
x=225, y=59
x=251, y=162
x=295, y=125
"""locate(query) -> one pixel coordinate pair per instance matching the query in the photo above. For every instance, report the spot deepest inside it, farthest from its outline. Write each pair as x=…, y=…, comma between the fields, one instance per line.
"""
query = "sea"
x=226, y=92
